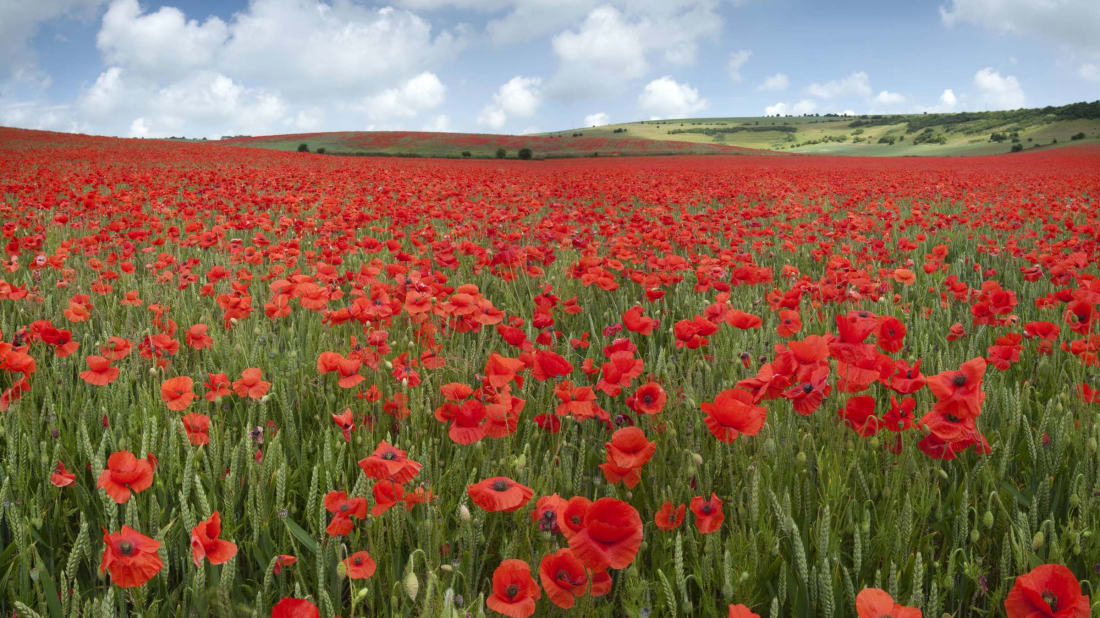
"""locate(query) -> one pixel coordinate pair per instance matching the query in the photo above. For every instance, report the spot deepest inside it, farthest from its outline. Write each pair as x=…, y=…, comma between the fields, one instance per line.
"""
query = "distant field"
x=874, y=135
x=408, y=143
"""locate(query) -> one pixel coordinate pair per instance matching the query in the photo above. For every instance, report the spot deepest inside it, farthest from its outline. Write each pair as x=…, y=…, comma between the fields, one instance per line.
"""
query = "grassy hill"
x=475, y=145
x=966, y=133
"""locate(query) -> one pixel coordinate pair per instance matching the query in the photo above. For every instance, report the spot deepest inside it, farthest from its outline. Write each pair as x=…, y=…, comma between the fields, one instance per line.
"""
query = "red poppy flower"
x=859, y=414
x=610, y=536
x=790, y=322
x=116, y=348
x=295, y=608
x=130, y=557
x=563, y=578
x=905, y=379
x=343, y=509
x=744, y=321
x=388, y=463
x=125, y=473
x=733, y=413
x=345, y=422
x=197, y=338
x=217, y=385
x=359, y=565
x=649, y=398
x=500, y=370
x=960, y=392
x=669, y=518
x=62, y=477
x=550, y=365
x=629, y=448
x=284, y=560
x=571, y=516
x=251, y=385
x=876, y=603
x=741, y=611
x=177, y=393
x=514, y=590
x=386, y=495
x=100, y=372
x=708, y=513
x=1047, y=591
x=499, y=493
x=206, y=544
x=197, y=426
x=891, y=333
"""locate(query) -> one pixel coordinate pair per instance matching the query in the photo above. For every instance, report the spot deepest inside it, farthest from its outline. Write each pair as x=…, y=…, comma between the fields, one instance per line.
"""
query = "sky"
x=209, y=68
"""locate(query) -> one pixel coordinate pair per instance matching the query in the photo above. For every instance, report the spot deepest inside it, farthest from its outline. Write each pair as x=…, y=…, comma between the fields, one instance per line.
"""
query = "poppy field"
x=249, y=382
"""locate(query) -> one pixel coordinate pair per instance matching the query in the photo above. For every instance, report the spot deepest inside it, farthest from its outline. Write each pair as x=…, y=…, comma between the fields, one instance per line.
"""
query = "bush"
x=886, y=139
x=466, y=153
x=525, y=154
x=501, y=153
x=1017, y=147
x=303, y=147
x=997, y=137
x=1076, y=136
x=320, y=151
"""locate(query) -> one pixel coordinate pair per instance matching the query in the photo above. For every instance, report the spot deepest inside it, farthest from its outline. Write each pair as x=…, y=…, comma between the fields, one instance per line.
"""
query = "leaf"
x=301, y=535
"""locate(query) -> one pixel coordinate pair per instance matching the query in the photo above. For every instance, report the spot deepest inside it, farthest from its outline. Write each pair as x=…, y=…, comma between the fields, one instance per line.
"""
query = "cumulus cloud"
x=519, y=97
x=886, y=97
x=612, y=46
x=597, y=119
x=948, y=100
x=162, y=44
x=996, y=91
x=775, y=83
x=19, y=22
x=856, y=84
x=804, y=106
x=736, y=61
x=666, y=98
x=779, y=109
x=1070, y=22
x=275, y=66
x=420, y=93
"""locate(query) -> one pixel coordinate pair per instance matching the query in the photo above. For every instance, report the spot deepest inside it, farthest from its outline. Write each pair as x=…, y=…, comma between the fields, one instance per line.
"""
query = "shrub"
x=525, y=153
x=886, y=139
x=1076, y=136
x=1017, y=147
x=501, y=153
x=466, y=153
x=320, y=151
x=303, y=147
x=997, y=137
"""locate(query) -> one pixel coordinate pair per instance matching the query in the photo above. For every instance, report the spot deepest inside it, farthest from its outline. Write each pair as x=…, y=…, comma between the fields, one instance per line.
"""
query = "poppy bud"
x=975, y=536
x=1092, y=444
x=152, y=371
x=463, y=512
x=697, y=458
x=987, y=519
x=446, y=568
x=1038, y=540
x=362, y=594
x=801, y=458
x=341, y=570
x=412, y=585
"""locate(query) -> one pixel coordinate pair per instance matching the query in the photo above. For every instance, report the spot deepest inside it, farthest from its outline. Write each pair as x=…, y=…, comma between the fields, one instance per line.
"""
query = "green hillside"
x=964, y=133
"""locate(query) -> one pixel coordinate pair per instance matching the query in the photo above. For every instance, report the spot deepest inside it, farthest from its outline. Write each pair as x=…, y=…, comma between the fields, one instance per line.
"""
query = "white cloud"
x=597, y=119
x=1090, y=71
x=1074, y=23
x=948, y=100
x=604, y=51
x=776, y=82
x=164, y=44
x=886, y=97
x=736, y=61
x=519, y=97
x=779, y=109
x=613, y=46
x=856, y=84
x=805, y=106
x=667, y=98
x=420, y=93
x=439, y=124
x=19, y=21
x=996, y=91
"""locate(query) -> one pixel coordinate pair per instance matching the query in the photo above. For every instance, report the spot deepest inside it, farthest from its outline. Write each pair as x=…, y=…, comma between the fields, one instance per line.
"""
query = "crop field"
x=243, y=382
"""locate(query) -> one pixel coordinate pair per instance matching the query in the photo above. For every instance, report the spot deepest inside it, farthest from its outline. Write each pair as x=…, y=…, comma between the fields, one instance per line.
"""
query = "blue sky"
x=210, y=68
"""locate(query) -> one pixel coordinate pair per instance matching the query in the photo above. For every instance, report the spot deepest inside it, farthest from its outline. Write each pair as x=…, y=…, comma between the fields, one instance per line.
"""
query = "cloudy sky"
x=221, y=67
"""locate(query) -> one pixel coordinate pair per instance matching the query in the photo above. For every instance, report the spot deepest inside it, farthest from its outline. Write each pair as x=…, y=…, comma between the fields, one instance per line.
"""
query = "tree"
x=1017, y=147
x=303, y=147
x=501, y=153
x=466, y=153
x=525, y=154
